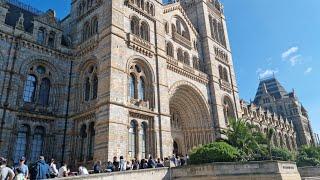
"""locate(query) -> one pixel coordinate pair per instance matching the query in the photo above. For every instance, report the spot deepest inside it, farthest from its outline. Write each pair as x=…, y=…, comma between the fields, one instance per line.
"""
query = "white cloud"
x=295, y=59
x=308, y=70
x=291, y=55
x=289, y=52
x=266, y=73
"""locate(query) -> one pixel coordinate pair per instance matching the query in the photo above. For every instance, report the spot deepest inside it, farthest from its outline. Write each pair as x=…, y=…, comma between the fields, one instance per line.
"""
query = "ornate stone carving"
x=140, y=45
x=181, y=40
x=221, y=55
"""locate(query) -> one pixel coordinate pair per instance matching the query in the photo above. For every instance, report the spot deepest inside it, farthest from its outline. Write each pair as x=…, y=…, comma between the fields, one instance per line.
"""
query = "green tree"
x=214, y=152
x=247, y=138
x=308, y=156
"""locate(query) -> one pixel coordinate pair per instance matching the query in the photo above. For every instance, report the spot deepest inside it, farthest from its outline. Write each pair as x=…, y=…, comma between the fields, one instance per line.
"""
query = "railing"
x=139, y=41
x=181, y=40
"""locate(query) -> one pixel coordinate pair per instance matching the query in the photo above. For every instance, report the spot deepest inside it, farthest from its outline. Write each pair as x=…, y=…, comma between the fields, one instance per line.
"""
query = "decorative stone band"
x=140, y=45
x=88, y=45
x=225, y=86
x=185, y=70
x=221, y=55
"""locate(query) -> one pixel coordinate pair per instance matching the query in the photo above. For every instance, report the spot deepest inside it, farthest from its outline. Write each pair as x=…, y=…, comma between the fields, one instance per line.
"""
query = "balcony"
x=226, y=86
x=140, y=45
x=181, y=40
x=88, y=44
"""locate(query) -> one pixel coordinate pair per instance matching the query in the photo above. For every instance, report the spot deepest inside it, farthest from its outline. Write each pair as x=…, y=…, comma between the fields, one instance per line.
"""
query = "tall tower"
x=208, y=18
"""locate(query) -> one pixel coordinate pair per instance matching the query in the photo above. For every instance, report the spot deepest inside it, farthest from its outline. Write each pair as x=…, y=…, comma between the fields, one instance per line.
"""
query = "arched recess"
x=140, y=89
x=228, y=109
x=191, y=124
x=50, y=78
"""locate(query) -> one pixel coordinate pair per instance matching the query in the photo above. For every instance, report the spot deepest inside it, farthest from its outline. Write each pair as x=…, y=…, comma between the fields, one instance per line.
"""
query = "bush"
x=308, y=156
x=281, y=154
x=214, y=152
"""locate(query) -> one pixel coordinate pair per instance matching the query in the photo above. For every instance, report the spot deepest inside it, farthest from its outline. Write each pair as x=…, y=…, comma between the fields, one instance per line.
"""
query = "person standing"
x=20, y=175
x=115, y=164
x=23, y=167
x=123, y=166
x=5, y=172
x=43, y=169
x=53, y=169
x=63, y=171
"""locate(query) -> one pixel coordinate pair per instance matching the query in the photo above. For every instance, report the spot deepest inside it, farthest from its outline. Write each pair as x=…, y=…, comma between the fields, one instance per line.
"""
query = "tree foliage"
x=281, y=154
x=248, y=139
x=214, y=152
x=308, y=156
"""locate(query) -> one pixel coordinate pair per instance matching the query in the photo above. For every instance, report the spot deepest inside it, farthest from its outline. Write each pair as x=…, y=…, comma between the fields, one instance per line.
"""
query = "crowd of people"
x=42, y=170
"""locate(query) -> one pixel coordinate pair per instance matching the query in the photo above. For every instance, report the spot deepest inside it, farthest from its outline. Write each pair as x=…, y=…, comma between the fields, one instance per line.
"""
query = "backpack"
x=33, y=171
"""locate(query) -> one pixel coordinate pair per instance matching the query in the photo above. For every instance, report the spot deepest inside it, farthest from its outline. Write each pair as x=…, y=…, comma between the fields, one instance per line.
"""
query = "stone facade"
x=120, y=77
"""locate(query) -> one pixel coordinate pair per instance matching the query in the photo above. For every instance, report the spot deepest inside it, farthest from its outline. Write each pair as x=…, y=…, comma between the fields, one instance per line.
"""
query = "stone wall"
x=269, y=170
x=309, y=172
x=154, y=174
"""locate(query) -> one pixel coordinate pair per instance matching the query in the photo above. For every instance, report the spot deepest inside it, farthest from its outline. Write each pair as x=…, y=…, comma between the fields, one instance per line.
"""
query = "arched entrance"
x=191, y=125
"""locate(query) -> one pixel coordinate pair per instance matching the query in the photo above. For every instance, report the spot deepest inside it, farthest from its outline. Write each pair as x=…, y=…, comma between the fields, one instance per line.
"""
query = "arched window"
x=141, y=89
x=169, y=49
x=132, y=139
x=41, y=35
x=94, y=26
x=44, y=91
x=144, y=31
x=86, y=31
x=21, y=143
x=151, y=10
x=91, y=141
x=225, y=74
x=51, y=39
x=87, y=88
x=180, y=55
x=132, y=86
x=148, y=7
x=142, y=4
x=95, y=87
x=186, y=58
x=178, y=26
x=83, y=136
x=288, y=142
x=220, y=72
x=37, y=143
x=221, y=34
x=196, y=63
x=134, y=24
x=30, y=89
x=228, y=109
x=275, y=141
x=143, y=139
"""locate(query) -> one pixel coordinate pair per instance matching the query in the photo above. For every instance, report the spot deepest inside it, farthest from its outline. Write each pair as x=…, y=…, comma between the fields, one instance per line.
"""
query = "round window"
x=41, y=69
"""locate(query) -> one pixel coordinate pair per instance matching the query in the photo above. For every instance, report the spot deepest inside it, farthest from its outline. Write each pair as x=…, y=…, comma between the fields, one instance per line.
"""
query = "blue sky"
x=267, y=36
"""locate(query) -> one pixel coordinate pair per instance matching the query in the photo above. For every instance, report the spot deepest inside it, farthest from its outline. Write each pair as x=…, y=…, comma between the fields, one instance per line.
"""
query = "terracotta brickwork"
x=122, y=77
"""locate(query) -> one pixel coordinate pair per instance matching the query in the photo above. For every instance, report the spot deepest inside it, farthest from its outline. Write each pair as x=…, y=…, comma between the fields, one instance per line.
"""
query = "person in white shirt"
x=83, y=170
x=63, y=171
x=53, y=169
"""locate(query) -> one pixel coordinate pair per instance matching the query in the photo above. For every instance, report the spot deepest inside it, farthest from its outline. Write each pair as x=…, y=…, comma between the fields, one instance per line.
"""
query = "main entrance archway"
x=191, y=125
